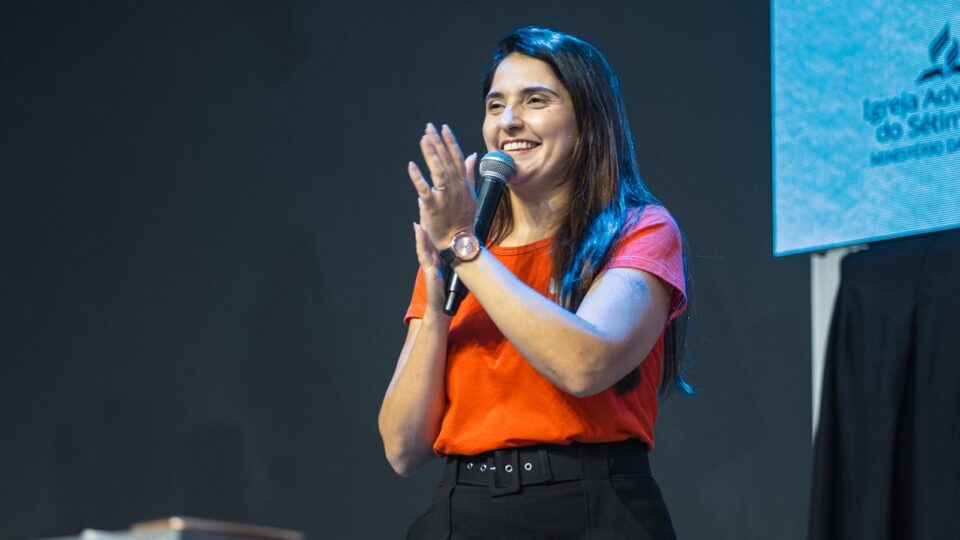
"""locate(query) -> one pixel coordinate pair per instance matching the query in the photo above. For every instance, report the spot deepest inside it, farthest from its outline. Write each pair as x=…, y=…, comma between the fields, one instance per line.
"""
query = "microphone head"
x=498, y=165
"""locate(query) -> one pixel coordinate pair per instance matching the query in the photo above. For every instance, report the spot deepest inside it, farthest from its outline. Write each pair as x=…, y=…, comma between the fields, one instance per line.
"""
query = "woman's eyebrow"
x=526, y=91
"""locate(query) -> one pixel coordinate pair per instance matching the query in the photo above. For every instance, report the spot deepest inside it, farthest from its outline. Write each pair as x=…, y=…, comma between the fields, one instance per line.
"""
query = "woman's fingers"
x=419, y=182
x=423, y=251
x=443, y=155
x=426, y=253
x=434, y=164
x=449, y=205
x=440, y=146
x=438, y=173
x=471, y=165
x=430, y=264
x=450, y=141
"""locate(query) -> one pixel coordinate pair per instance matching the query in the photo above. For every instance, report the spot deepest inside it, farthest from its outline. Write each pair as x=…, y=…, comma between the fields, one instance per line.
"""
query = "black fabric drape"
x=887, y=451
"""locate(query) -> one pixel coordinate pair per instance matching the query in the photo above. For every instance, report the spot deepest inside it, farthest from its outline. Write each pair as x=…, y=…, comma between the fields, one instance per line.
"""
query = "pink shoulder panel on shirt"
x=654, y=244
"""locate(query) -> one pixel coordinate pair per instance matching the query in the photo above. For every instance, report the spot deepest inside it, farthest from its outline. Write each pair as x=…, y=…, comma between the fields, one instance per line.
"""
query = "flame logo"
x=940, y=44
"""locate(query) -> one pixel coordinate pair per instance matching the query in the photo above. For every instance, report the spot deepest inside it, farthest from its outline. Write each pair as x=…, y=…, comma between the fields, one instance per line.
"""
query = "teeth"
x=519, y=145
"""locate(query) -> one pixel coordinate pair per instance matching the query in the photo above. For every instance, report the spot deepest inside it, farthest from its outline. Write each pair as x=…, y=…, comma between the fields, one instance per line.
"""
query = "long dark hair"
x=606, y=182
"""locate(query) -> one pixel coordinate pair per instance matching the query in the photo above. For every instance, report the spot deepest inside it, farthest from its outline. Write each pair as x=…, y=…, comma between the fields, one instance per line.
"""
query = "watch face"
x=465, y=246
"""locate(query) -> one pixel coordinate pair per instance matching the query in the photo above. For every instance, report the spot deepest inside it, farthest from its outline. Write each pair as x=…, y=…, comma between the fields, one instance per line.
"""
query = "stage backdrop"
x=206, y=252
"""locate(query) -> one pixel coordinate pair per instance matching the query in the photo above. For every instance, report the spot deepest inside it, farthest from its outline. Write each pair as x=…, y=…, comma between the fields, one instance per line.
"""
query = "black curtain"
x=206, y=252
x=887, y=453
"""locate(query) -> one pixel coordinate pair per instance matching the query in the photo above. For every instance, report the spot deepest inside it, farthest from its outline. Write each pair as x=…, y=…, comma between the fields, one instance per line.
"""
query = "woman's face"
x=529, y=115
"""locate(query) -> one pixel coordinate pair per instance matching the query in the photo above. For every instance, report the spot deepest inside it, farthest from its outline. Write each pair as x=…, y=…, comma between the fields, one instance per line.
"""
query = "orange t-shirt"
x=495, y=399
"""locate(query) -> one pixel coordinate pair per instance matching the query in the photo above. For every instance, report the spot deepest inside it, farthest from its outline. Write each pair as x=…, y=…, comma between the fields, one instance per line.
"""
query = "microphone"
x=496, y=169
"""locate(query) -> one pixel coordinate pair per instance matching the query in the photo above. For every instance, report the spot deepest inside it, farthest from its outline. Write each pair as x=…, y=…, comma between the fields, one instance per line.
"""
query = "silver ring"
x=440, y=188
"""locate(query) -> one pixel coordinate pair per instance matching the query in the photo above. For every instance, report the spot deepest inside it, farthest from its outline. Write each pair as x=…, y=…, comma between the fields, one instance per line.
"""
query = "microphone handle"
x=489, y=193
x=456, y=290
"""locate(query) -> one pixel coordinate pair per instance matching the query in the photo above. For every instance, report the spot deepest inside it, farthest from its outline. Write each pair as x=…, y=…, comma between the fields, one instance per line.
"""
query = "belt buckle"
x=506, y=463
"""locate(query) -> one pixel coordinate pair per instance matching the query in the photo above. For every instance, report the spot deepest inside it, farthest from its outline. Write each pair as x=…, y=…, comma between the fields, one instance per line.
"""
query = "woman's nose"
x=510, y=119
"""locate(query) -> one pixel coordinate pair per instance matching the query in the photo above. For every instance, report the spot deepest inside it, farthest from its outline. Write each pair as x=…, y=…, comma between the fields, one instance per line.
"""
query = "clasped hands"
x=447, y=203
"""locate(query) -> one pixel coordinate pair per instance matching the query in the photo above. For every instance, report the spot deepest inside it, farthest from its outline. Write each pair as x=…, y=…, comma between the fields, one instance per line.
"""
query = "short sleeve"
x=653, y=244
x=418, y=302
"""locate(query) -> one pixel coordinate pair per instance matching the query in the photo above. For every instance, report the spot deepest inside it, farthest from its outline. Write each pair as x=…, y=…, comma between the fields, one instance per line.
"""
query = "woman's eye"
x=537, y=100
x=494, y=106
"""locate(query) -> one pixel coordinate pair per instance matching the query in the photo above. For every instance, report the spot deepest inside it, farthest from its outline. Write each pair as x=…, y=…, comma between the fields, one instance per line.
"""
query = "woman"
x=542, y=390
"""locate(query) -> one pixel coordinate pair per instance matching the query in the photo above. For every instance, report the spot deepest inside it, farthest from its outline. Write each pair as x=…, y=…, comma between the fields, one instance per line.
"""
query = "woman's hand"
x=429, y=259
x=449, y=206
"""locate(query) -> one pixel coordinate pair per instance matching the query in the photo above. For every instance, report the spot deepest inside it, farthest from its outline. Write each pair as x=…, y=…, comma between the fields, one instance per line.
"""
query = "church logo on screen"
x=942, y=45
x=920, y=123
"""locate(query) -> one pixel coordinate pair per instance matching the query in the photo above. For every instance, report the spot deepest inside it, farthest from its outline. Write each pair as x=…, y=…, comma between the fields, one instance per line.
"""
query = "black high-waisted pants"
x=580, y=491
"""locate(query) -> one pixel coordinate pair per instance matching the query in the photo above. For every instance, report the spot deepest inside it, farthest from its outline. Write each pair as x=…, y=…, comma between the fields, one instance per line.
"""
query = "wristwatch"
x=463, y=247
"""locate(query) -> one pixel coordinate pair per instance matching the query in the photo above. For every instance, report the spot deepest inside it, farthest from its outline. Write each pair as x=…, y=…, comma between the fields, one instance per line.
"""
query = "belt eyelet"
x=528, y=466
x=508, y=468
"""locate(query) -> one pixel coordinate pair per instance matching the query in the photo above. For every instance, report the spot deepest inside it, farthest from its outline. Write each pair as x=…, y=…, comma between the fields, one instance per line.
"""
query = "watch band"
x=447, y=256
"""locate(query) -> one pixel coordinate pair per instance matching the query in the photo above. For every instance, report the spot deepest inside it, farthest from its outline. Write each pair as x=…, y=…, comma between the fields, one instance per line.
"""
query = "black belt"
x=505, y=471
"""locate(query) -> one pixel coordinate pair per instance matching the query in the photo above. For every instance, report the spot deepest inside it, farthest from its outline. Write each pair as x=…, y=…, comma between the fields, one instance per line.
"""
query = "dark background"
x=206, y=252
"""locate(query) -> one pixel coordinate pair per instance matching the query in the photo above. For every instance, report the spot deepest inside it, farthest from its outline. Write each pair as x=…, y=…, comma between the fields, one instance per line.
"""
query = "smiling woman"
x=529, y=115
x=541, y=392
